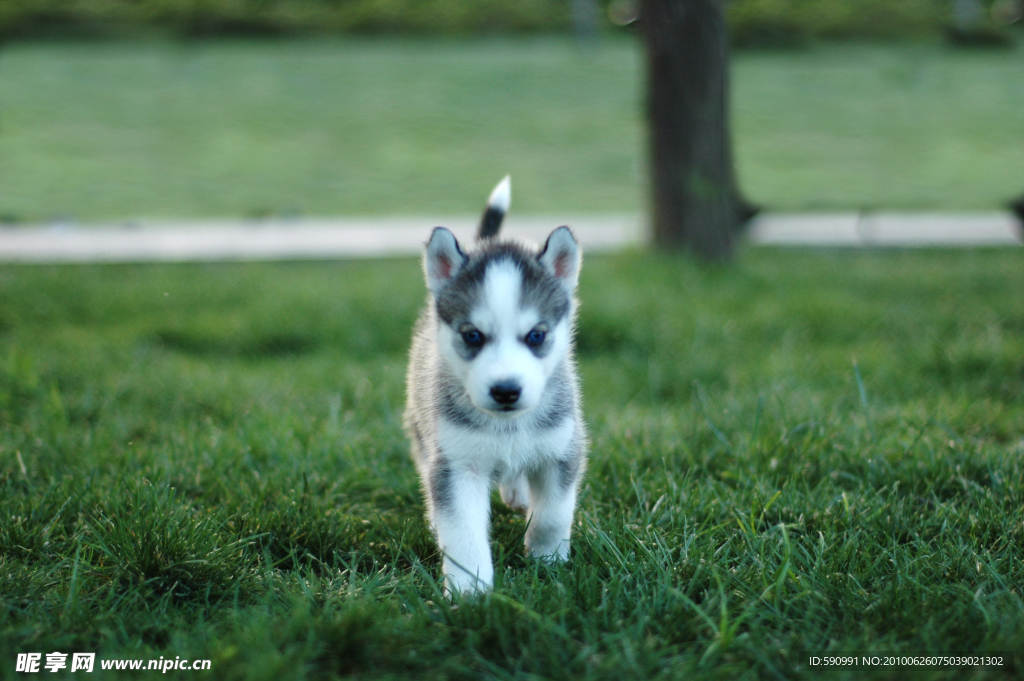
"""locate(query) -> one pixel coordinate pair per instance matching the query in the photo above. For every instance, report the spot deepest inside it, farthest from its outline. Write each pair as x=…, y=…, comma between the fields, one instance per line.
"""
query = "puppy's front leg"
x=552, y=502
x=460, y=514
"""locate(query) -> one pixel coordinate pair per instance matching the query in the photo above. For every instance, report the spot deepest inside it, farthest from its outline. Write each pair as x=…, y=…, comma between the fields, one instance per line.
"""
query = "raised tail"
x=497, y=206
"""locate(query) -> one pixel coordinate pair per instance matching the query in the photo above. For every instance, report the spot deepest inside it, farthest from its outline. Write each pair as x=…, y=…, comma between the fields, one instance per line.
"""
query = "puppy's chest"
x=505, y=451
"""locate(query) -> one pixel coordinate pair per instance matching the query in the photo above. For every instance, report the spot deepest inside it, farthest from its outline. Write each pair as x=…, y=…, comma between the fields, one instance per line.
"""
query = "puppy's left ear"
x=561, y=257
x=443, y=259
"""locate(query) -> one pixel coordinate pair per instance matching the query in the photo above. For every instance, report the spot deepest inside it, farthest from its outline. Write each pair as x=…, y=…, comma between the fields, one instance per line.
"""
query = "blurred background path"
x=304, y=238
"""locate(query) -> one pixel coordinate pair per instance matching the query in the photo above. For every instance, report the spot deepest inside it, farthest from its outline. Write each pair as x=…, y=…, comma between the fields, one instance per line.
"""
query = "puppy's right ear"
x=561, y=257
x=443, y=259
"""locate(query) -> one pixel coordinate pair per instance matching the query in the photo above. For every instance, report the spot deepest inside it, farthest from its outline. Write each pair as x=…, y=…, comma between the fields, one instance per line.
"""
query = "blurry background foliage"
x=753, y=23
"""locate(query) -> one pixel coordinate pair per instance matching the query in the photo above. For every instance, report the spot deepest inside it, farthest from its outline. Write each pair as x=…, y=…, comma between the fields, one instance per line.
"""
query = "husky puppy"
x=492, y=392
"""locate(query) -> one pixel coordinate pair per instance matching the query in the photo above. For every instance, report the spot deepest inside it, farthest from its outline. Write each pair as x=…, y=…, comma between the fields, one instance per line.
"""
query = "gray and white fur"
x=492, y=392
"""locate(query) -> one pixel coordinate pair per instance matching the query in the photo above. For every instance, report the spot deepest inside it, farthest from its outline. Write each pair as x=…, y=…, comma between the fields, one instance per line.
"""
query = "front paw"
x=465, y=580
x=551, y=552
x=465, y=584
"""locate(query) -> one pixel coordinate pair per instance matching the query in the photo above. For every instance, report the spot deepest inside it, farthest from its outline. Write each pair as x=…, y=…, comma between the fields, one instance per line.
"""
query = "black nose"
x=506, y=393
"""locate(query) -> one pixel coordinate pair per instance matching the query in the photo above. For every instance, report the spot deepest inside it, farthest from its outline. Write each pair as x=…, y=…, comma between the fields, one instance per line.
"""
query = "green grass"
x=809, y=451
x=119, y=130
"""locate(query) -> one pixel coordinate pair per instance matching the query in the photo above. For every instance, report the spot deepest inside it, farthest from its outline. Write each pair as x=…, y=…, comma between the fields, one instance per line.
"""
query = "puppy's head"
x=505, y=315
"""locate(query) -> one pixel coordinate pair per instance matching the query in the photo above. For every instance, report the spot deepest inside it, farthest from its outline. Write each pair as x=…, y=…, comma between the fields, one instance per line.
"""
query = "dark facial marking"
x=539, y=340
x=561, y=406
x=469, y=341
x=539, y=289
x=544, y=293
x=456, y=408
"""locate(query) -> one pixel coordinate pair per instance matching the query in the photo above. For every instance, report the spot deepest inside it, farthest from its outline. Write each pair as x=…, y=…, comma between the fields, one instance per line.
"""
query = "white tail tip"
x=501, y=197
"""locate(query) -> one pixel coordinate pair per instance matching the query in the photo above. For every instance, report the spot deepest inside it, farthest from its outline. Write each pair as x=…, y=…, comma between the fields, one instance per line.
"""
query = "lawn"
x=808, y=451
x=349, y=127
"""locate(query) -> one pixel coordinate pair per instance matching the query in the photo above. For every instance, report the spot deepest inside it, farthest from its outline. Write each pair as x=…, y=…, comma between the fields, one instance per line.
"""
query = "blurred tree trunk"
x=696, y=203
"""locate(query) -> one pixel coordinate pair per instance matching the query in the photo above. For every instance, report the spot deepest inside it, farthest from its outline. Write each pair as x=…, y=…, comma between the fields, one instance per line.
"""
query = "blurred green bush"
x=782, y=23
x=753, y=23
x=197, y=18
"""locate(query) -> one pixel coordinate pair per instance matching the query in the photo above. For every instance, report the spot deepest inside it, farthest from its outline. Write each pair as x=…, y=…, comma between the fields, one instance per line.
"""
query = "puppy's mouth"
x=506, y=409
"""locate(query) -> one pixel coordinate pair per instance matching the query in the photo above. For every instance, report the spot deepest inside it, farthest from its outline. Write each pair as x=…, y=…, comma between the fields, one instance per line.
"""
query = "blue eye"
x=472, y=338
x=535, y=338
